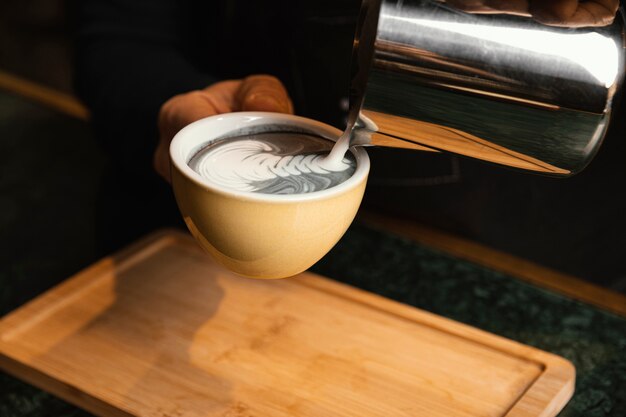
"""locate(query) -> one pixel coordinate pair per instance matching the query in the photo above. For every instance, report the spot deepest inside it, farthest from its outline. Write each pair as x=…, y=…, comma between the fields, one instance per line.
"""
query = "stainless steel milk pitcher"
x=497, y=87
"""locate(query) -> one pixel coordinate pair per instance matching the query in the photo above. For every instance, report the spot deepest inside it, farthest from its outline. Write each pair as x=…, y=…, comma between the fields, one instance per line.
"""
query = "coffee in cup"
x=272, y=163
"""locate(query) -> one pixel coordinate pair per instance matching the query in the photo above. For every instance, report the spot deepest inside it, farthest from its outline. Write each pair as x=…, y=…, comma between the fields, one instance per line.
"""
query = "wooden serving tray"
x=160, y=330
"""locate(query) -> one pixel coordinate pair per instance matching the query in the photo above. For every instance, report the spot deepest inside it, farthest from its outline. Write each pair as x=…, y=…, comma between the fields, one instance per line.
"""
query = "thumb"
x=263, y=93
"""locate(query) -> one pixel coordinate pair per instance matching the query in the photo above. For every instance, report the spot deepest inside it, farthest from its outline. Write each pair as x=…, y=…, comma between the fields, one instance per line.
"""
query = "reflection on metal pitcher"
x=498, y=87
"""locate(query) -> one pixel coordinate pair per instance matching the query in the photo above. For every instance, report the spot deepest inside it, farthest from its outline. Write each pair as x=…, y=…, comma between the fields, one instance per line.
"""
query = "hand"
x=569, y=13
x=254, y=93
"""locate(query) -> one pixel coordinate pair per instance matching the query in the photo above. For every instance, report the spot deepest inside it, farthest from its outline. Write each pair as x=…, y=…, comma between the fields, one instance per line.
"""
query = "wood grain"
x=511, y=265
x=160, y=330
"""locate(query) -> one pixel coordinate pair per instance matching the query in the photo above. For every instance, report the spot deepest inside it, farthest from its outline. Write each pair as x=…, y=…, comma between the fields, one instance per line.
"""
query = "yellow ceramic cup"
x=262, y=235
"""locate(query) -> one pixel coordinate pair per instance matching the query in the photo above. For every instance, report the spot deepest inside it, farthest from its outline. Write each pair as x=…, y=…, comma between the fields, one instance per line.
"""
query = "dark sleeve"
x=131, y=56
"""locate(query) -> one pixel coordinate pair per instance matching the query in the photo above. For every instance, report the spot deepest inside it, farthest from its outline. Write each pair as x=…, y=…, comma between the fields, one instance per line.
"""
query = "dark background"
x=52, y=168
x=50, y=165
x=35, y=41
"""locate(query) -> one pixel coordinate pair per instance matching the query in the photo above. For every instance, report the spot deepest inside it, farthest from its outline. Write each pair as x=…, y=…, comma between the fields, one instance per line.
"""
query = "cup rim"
x=179, y=160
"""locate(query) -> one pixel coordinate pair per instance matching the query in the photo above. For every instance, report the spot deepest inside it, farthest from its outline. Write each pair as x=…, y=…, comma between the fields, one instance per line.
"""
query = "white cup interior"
x=196, y=135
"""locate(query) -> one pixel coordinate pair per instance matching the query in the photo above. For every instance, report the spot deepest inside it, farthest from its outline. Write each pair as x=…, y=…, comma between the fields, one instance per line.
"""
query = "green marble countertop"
x=593, y=339
x=47, y=220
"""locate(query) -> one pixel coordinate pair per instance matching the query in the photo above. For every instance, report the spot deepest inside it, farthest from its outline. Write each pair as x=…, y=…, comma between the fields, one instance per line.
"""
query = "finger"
x=471, y=6
x=181, y=110
x=218, y=98
x=263, y=93
x=223, y=95
x=574, y=13
x=553, y=12
x=184, y=109
x=518, y=7
x=596, y=13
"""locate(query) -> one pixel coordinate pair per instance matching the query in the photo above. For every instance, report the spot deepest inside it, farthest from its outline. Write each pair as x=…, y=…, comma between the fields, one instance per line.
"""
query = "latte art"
x=272, y=163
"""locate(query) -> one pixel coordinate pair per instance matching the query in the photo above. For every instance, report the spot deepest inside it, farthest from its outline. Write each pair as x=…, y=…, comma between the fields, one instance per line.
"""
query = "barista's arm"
x=570, y=13
x=132, y=57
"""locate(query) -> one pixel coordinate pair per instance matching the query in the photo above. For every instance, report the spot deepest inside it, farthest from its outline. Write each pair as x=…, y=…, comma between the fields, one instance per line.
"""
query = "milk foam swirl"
x=272, y=163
